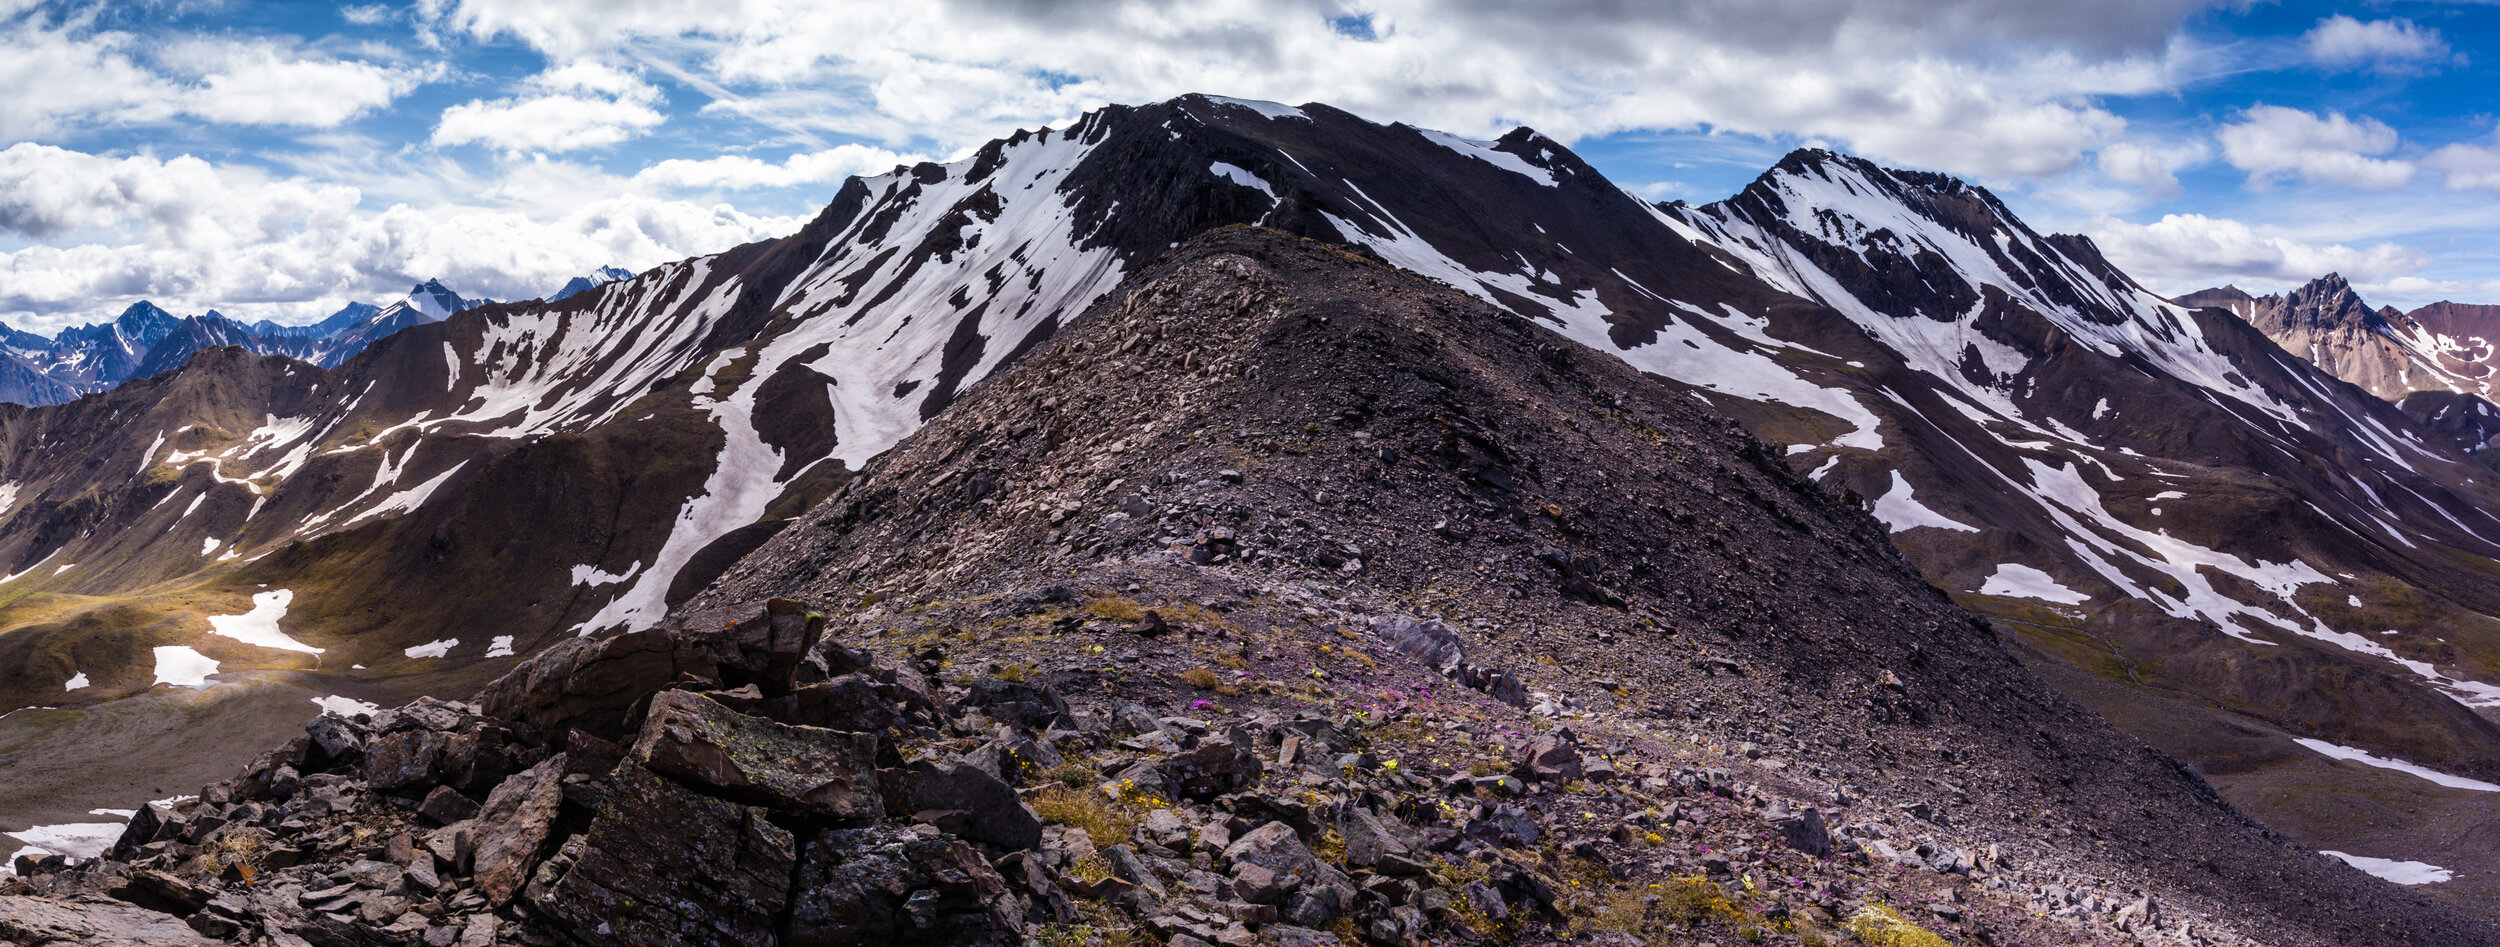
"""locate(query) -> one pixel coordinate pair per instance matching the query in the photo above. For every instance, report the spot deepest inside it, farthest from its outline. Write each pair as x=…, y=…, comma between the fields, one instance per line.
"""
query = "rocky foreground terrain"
x=1284, y=598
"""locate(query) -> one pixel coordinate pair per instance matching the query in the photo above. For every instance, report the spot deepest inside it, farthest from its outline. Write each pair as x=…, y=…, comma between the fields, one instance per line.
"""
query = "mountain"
x=1286, y=636
x=93, y=357
x=146, y=340
x=2250, y=564
x=582, y=284
x=2444, y=346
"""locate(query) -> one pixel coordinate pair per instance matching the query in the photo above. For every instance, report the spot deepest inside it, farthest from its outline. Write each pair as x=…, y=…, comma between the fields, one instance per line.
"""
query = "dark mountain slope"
x=1280, y=418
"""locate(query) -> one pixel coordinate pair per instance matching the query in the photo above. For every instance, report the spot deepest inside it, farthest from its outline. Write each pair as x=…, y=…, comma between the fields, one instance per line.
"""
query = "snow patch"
x=208, y=547
x=594, y=577
x=433, y=649
x=183, y=667
x=2016, y=580
x=1902, y=512
x=1243, y=177
x=76, y=681
x=1485, y=152
x=2400, y=872
x=2365, y=757
x=1272, y=110
x=259, y=627
x=346, y=706
x=500, y=647
x=75, y=840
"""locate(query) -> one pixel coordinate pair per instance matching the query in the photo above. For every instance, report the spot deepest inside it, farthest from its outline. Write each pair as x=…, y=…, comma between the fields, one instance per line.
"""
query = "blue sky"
x=275, y=160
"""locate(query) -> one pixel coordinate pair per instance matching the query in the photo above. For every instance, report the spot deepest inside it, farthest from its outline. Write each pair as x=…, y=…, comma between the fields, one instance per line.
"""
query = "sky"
x=277, y=160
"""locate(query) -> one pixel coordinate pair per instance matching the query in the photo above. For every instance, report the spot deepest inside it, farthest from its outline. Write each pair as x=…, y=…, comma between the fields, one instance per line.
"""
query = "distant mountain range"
x=145, y=340
x=2437, y=362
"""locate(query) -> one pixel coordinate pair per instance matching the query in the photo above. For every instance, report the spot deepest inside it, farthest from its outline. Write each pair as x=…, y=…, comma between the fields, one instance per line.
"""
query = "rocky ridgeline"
x=766, y=784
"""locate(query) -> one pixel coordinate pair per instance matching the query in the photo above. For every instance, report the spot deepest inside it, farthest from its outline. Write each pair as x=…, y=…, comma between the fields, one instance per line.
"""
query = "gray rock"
x=514, y=823
x=1275, y=847
x=889, y=885
x=993, y=814
x=824, y=773
x=665, y=865
x=1216, y=767
x=1552, y=760
x=1803, y=830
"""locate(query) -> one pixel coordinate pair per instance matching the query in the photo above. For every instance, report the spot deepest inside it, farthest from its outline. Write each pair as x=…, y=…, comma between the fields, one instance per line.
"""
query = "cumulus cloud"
x=264, y=83
x=2340, y=41
x=1986, y=88
x=63, y=73
x=583, y=104
x=191, y=235
x=2190, y=251
x=2150, y=168
x=2272, y=143
x=740, y=172
x=2469, y=166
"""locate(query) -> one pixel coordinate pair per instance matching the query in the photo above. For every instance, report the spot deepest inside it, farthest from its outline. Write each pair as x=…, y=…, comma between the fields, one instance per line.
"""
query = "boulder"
x=817, y=772
x=1026, y=705
x=1369, y=840
x=1274, y=847
x=507, y=833
x=766, y=650
x=140, y=830
x=446, y=805
x=339, y=739
x=849, y=702
x=1016, y=760
x=1216, y=767
x=409, y=759
x=594, y=684
x=1804, y=830
x=664, y=865
x=1552, y=760
x=1050, y=904
x=992, y=813
x=100, y=923
x=888, y=885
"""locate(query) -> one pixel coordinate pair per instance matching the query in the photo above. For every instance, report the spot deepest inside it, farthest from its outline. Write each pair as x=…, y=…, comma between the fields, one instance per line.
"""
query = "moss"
x=1076, y=807
x=1115, y=609
x=1201, y=678
x=1880, y=926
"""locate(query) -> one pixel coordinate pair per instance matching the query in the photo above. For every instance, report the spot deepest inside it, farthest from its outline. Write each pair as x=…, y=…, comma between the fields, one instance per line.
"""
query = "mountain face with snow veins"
x=2252, y=564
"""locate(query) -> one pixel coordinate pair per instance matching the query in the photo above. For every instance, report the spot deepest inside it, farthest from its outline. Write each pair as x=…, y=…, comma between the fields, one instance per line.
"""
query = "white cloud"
x=192, y=235
x=579, y=105
x=1986, y=88
x=2341, y=41
x=2468, y=165
x=63, y=73
x=263, y=83
x=372, y=14
x=740, y=172
x=2191, y=251
x=2271, y=142
x=2152, y=169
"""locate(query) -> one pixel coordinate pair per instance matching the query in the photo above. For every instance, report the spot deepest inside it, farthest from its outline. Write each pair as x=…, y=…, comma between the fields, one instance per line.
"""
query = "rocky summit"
x=1284, y=598
x=1222, y=522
